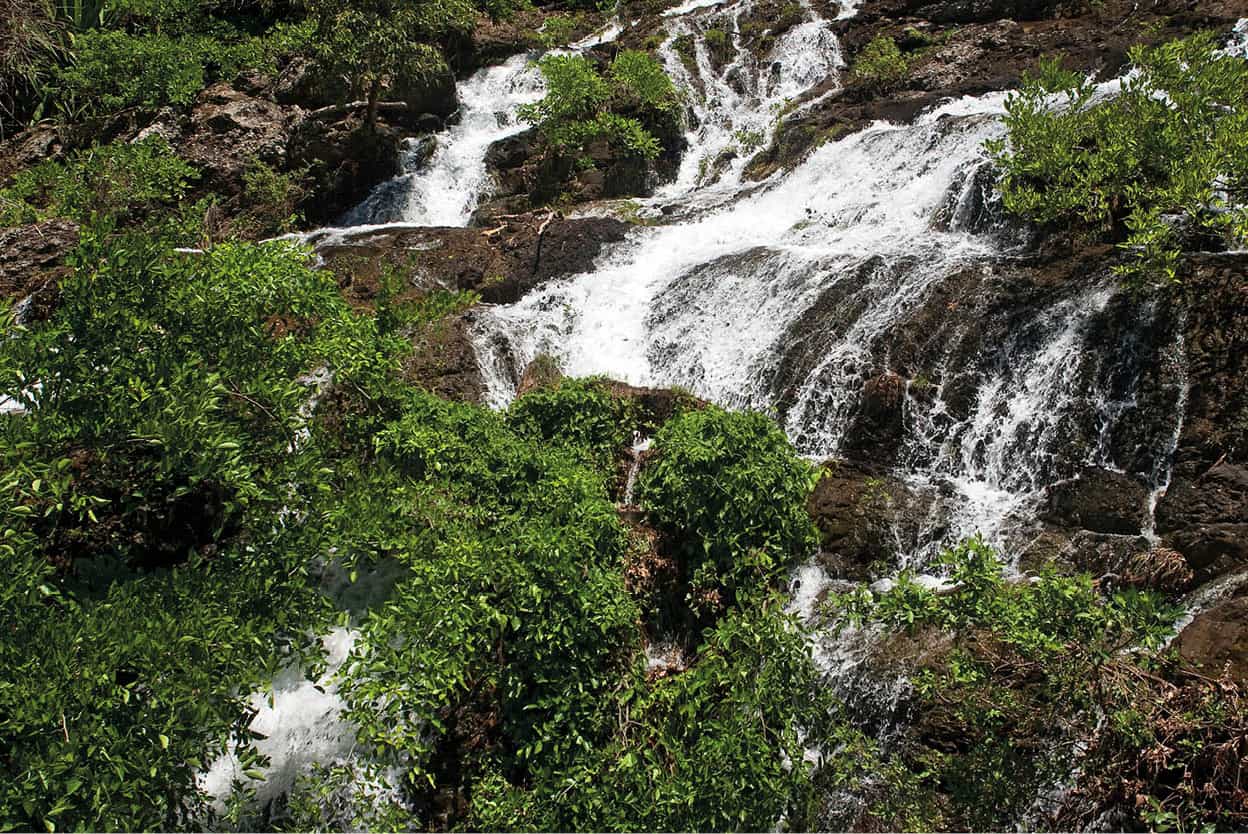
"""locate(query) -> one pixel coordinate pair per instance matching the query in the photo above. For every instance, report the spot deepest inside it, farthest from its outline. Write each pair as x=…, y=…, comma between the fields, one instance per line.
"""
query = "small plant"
x=110, y=182
x=556, y=31
x=582, y=105
x=880, y=65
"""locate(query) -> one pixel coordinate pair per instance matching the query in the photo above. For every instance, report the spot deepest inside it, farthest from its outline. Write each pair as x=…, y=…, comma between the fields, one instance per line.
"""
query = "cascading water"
x=789, y=295
x=857, y=239
x=443, y=190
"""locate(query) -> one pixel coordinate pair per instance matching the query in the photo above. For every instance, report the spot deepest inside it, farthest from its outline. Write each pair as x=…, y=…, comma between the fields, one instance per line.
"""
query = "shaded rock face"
x=33, y=263
x=865, y=517
x=1206, y=517
x=444, y=360
x=304, y=84
x=346, y=160
x=1204, y=511
x=1217, y=640
x=500, y=264
x=1100, y=501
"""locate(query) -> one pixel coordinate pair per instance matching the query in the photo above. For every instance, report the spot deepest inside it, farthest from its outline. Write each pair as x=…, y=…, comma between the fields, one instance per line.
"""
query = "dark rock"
x=1206, y=519
x=30, y=147
x=864, y=517
x=1217, y=640
x=542, y=372
x=346, y=159
x=302, y=83
x=1099, y=500
x=501, y=264
x=878, y=427
x=34, y=263
x=445, y=360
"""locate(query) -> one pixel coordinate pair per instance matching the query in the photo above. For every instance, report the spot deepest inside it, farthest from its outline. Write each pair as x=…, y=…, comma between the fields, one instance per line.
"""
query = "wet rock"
x=502, y=264
x=346, y=160
x=1204, y=512
x=865, y=517
x=542, y=372
x=1217, y=640
x=34, y=263
x=1206, y=519
x=1100, y=501
x=445, y=360
x=879, y=424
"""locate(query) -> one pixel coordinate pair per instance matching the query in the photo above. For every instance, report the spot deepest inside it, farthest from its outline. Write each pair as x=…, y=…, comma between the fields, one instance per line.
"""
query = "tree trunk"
x=374, y=93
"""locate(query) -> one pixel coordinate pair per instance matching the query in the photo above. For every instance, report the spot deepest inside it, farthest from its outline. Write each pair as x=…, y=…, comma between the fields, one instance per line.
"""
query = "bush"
x=105, y=183
x=624, y=107
x=743, y=714
x=150, y=572
x=731, y=492
x=1161, y=162
x=880, y=64
x=580, y=413
x=1022, y=683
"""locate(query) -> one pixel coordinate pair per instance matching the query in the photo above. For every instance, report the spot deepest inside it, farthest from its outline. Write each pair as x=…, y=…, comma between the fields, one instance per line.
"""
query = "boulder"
x=1206, y=518
x=1098, y=500
x=1217, y=640
x=500, y=264
x=445, y=360
x=864, y=518
x=30, y=147
x=227, y=130
x=346, y=160
x=877, y=429
x=34, y=263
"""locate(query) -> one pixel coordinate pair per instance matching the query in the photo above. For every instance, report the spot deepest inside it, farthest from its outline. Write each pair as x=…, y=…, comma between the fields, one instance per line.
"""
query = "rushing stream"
x=790, y=295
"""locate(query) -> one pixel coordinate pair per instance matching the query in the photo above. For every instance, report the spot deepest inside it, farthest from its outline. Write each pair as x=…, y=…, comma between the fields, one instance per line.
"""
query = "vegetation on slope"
x=1158, y=166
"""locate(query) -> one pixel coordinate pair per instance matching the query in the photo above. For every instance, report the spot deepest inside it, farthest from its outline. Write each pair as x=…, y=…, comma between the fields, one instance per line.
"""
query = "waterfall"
x=444, y=189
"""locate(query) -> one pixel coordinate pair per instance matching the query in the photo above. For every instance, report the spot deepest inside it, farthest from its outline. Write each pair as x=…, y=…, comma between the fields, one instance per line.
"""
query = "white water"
x=445, y=189
x=301, y=723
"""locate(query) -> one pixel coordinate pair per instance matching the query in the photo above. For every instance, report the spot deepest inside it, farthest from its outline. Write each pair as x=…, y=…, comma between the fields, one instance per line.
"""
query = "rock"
x=1217, y=639
x=501, y=264
x=30, y=147
x=1100, y=501
x=445, y=360
x=434, y=95
x=542, y=372
x=33, y=264
x=227, y=130
x=1206, y=519
x=879, y=424
x=346, y=159
x=302, y=83
x=864, y=518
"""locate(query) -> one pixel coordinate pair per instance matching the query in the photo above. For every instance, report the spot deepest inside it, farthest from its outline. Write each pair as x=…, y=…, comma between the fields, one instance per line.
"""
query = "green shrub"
x=109, y=182
x=624, y=107
x=880, y=64
x=580, y=413
x=1021, y=680
x=743, y=714
x=1164, y=158
x=113, y=70
x=150, y=575
x=730, y=491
